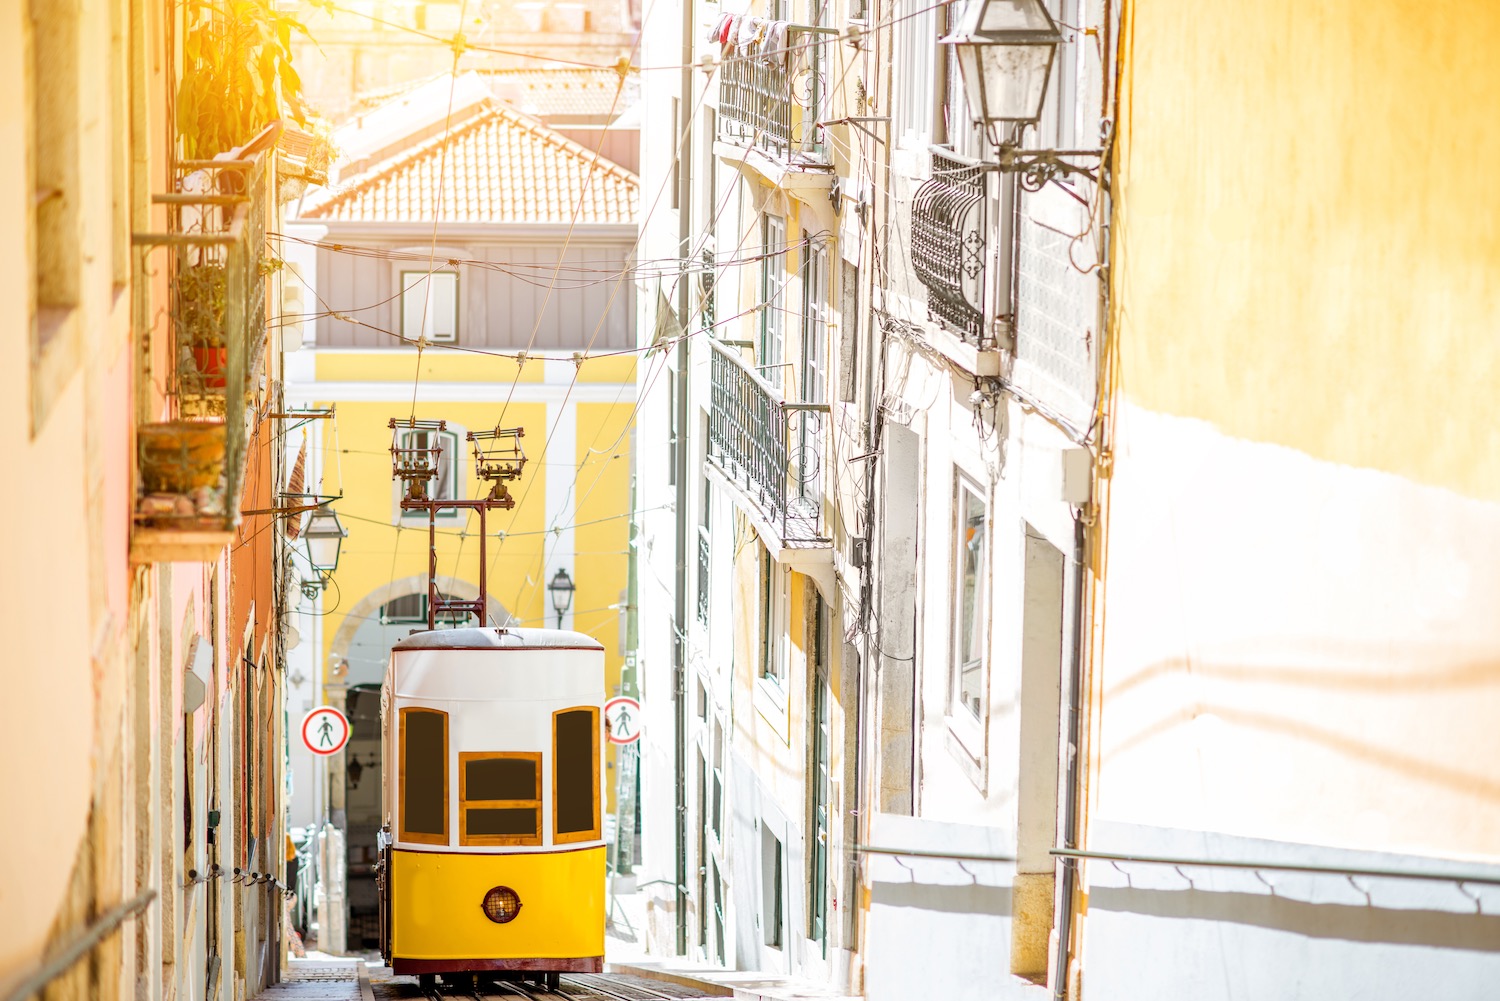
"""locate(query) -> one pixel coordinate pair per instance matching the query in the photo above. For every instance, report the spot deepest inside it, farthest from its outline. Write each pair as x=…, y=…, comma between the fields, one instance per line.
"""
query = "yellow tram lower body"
x=438, y=924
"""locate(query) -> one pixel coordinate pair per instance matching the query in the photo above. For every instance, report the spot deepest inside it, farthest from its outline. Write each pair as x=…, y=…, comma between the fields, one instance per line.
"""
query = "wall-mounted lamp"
x=1005, y=50
x=561, y=590
x=324, y=535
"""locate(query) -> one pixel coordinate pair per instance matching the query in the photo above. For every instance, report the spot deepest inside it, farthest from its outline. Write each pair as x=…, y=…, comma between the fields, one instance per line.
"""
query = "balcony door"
x=807, y=454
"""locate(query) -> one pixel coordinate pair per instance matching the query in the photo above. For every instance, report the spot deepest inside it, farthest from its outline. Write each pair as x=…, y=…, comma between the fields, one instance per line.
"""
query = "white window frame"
x=771, y=348
x=917, y=64
x=773, y=624
x=960, y=665
x=421, y=311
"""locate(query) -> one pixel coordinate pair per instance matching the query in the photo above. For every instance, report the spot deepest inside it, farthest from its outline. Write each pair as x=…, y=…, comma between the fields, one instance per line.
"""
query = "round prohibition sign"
x=325, y=730
x=622, y=716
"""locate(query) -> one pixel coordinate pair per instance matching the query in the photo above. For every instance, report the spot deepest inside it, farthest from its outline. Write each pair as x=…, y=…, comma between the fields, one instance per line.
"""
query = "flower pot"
x=211, y=363
x=179, y=457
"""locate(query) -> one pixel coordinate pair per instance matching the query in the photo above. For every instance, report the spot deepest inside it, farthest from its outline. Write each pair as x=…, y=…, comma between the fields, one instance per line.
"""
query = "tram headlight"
x=501, y=904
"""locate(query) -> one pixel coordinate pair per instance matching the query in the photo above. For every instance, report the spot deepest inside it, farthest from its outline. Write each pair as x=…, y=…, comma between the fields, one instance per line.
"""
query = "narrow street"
x=791, y=500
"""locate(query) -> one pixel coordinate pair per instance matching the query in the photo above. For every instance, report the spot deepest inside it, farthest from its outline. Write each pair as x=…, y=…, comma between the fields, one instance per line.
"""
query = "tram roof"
x=476, y=638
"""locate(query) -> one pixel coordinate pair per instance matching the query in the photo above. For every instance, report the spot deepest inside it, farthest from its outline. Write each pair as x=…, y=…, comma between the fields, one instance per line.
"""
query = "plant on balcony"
x=200, y=320
x=182, y=469
x=237, y=74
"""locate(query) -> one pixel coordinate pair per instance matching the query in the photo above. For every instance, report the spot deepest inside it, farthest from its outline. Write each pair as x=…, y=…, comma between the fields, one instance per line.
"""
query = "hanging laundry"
x=730, y=30
x=774, y=46
x=750, y=30
x=716, y=32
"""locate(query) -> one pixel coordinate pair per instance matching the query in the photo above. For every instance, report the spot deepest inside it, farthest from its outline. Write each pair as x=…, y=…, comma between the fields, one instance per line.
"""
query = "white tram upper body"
x=493, y=856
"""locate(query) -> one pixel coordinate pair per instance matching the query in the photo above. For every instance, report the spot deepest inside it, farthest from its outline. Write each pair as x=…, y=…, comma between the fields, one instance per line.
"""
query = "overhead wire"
x=704, y=235
x=617, y=279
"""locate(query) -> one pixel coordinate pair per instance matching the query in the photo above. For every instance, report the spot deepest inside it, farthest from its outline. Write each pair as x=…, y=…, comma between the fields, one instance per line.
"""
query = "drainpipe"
x=1070, y=786
x=679, y=611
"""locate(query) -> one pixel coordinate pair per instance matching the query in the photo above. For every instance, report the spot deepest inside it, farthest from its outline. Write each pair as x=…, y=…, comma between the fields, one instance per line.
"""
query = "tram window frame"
x=423, y=837
x=465, y=758
x=560, y=837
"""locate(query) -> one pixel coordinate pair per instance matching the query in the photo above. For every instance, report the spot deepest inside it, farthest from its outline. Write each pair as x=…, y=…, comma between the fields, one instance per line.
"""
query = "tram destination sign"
x=325, y=730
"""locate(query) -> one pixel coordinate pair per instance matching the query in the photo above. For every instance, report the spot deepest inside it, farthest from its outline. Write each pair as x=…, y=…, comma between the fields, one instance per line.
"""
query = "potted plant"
x=200, y=304
x=181, y=457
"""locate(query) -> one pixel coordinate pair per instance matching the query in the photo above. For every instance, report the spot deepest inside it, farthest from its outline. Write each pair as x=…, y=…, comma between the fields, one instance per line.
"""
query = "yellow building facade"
x=1295, y=645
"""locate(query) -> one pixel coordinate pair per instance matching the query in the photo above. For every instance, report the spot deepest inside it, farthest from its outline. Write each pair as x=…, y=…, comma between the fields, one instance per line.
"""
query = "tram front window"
x=500, y=798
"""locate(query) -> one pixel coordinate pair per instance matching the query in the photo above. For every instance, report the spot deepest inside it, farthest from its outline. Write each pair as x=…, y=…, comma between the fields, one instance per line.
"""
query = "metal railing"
x=192, y=465
x=949, y=244
x=769, y=448
x=778, y=101
x=63, y=959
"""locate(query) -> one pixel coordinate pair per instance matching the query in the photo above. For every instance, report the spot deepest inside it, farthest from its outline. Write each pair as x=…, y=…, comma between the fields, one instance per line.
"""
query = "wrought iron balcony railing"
x=192, y=465
x=777, y=102
x=770, y=449
x=948, y=244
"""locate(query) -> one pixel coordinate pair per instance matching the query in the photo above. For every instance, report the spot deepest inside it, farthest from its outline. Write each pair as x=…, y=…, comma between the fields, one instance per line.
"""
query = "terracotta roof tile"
x=500, y=167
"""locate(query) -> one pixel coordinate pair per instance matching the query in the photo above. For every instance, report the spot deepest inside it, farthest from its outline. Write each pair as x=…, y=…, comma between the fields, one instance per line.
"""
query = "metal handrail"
x=1492, y=879
x=924, y=853
x=81, y=946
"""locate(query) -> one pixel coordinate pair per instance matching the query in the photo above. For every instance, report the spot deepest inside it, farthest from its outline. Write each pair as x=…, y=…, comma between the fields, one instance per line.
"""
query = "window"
x=411, y=609
x=445, y=486
x=575, y=775
x=771, y=895
x=814, y=323
x=820, y=785
x=676, y=155
x=772, y=297
x=705, y=551
x=1058, y=127
x=499, y=798
x=424, y=776
x=807, y=466
x=916, y=55
x=961, y=133
x=969, y=601
x=773, y=656
x=849, y=329
x=429, y=305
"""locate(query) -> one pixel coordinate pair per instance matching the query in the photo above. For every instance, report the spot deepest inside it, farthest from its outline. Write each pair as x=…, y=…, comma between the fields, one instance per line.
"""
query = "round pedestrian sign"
x=325, y=730
x=622, y=715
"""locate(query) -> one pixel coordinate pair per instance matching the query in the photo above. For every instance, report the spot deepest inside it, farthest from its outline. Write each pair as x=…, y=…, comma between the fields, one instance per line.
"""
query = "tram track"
x=572, y=987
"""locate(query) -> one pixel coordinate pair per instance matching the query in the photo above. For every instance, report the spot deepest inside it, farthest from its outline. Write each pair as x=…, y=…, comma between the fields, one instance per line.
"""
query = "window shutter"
x=443, y=309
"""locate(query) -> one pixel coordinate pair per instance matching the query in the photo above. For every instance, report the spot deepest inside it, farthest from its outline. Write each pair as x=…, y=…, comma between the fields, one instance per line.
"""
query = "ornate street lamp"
x=561, y=589
x=324, y=535
x=1005, y=51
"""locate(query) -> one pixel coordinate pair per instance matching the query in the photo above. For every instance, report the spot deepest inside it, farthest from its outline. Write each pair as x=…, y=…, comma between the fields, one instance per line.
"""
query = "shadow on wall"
x=1349, y=922
x=974, y=898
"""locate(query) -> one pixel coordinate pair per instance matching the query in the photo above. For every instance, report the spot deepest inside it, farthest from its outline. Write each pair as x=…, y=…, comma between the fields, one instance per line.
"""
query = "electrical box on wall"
x=1076, y=475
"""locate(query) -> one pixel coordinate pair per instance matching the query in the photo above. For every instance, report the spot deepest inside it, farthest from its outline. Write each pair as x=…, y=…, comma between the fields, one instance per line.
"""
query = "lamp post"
x=561, y=589
x=1005, y=50
x=324, y=535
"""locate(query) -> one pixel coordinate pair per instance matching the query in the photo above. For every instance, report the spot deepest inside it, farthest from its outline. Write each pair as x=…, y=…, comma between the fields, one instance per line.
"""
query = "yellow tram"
x=492, y=855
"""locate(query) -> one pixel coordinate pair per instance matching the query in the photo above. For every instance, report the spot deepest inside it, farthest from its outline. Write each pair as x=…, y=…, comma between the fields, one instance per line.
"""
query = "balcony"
x=770, y=454
x=949, y=246
x=191, y=465
x=776, y=105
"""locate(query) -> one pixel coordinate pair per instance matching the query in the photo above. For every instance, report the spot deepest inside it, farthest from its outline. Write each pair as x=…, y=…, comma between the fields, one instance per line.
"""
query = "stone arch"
x=367, y=610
